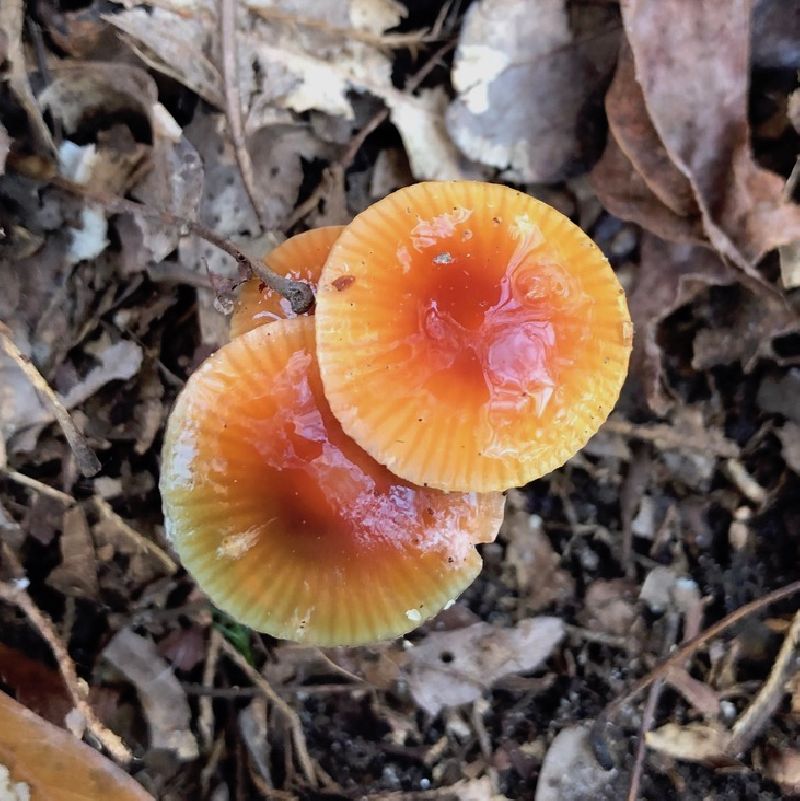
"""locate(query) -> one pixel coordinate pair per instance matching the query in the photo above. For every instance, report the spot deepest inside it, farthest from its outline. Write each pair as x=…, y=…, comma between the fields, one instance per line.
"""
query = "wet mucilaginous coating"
x=286, y=523
x=469, y=336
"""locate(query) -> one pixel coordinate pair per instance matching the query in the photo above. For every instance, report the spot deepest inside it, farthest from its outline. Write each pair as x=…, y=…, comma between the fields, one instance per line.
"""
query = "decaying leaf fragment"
x=454, y=667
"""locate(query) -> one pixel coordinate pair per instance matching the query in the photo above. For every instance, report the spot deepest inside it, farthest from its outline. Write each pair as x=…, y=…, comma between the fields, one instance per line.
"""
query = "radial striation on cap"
x=300, y=258
x=286, y=523
x=470, y=337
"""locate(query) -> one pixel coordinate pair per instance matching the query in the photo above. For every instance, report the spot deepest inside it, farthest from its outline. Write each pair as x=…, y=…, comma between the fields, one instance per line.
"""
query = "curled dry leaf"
x=163, y=699
x=455, y=667
x=635, y=179
x=39, y=760
x=633, y=131
x=670, y=276
x=525, y=79
x=626, y=194
x=696, y=94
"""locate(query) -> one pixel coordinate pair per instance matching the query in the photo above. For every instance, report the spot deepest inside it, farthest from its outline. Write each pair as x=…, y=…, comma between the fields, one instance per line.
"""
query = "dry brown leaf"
x=77, y=574
x=694, y=742
x=175, y=45
x=633, y=130
x=703, y=698
x=524, y=79
x=455, y=667
x=670, y=276
x=34, y=756
x=163, y=699
x=624, y=192
x=696, y=93
x=12, y=15
x=570, y=771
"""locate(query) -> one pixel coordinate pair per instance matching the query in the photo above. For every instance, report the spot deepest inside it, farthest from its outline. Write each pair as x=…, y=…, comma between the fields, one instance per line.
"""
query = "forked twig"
x=291, y=717
x=298, y=293
x=676, y=658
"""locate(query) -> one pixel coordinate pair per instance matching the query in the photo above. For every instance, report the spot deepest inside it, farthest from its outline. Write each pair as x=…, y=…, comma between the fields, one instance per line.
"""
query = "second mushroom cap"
x=469, y=336
x=286, y=523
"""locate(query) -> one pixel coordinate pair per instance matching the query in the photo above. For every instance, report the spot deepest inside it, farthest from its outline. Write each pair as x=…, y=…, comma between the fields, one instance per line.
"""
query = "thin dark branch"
x=676, y=658
x=298, y=293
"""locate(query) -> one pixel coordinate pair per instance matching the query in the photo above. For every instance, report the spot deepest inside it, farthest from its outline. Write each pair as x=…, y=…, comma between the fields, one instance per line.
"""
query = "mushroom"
x=300, y=258
x=40, y=761
x=286, y=523
x=469, y=337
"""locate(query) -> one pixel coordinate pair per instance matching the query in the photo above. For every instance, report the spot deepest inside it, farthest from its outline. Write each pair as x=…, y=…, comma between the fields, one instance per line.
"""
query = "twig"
x=206, y=718
x=38, y=486
x=105, y=511
x=676, y=658
x=87, y=460
x=291, y=717
x=233, y=102
x=648, y=714
x=16, y=594
x=757, y=715
x=358, y=139
x=298, y=293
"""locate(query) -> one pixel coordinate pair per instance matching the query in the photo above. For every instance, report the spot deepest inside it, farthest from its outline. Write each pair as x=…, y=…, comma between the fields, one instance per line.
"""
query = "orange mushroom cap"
x=469, y=336
x=45, y=763
x=286, y=523
x=301, y=258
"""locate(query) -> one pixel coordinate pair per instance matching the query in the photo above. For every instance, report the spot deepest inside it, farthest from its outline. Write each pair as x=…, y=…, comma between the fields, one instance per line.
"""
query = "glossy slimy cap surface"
x=301, y=257
x=469, y=336
x=286, y=523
